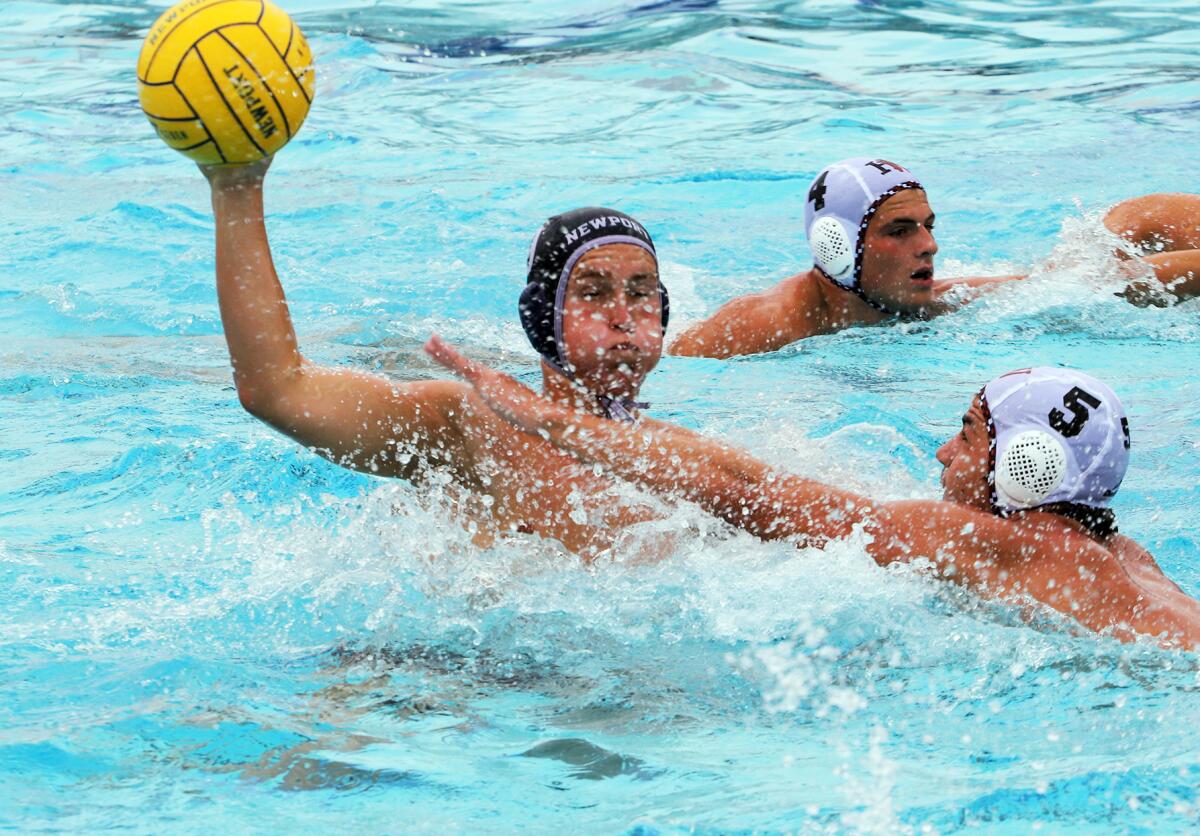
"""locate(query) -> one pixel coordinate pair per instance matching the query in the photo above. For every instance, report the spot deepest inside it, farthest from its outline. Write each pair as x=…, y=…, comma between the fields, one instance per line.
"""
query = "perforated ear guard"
x=1030, y=468
x=832, y=250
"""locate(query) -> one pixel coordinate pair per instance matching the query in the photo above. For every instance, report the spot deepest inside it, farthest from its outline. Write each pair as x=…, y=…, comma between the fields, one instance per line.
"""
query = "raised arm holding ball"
x=593, y=307
x=229, y=84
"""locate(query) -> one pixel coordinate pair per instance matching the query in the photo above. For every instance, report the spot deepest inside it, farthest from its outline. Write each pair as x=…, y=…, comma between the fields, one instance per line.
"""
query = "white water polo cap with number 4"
x=1058, y=435
x=841, y=202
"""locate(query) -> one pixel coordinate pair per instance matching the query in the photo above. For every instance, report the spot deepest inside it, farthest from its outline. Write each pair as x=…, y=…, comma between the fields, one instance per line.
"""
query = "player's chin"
x=633, y=358
x=952, y=492
x=624, y=374
x=629, y=374
x=919, y=288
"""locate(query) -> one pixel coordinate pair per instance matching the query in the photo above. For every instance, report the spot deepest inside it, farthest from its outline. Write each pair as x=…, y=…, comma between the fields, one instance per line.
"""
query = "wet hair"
x=1101, y=523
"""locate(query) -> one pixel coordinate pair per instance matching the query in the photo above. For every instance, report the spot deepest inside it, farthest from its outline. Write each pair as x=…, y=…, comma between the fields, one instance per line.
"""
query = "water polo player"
x=593, y=308
x=1026, y=490
x=870, y=230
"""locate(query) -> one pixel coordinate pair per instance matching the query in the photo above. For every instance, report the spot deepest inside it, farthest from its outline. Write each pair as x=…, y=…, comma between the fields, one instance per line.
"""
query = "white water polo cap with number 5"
x=841, y=202
x=1058, y=435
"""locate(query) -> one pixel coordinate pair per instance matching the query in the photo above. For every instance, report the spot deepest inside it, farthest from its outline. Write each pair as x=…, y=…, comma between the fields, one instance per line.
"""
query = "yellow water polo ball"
x=225, y=81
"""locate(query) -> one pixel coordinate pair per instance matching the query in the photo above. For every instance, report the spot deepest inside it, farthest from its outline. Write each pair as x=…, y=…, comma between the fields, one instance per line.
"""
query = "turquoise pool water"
x=204, y=627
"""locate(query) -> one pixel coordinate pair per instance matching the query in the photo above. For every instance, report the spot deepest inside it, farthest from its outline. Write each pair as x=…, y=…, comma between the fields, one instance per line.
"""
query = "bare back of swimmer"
x=1024, y=510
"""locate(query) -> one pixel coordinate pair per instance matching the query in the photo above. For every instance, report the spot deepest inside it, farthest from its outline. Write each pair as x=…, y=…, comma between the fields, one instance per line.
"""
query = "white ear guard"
x=832, y=250
x=1030, y=468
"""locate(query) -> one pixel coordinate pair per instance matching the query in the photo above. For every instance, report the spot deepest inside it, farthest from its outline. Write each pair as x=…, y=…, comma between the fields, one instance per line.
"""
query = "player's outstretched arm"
x=963, y=544
x=982, y=282
x=358, y=420
x=974, y=286
x=727, y=482
x=1176, y=278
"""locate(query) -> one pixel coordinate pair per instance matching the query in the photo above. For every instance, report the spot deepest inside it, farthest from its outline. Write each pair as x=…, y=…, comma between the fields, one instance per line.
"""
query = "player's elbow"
x=271, y=407
x=269, y=401
x=686, y=345
x=269, y=397
x=258, y=402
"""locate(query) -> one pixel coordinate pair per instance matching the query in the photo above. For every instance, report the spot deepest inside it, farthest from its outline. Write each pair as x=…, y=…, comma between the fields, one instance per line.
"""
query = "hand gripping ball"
x=225, y=81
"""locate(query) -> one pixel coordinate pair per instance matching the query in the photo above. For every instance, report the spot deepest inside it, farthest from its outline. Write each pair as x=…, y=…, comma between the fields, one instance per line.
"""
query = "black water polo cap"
x=556, y=248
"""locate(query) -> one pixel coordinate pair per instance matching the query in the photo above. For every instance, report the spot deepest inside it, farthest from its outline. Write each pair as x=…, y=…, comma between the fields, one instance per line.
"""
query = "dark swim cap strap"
x=536, y=309
x=618, y=409
x=857, y=291
x=991, y=431
x=861, y=246
x=1101, y=523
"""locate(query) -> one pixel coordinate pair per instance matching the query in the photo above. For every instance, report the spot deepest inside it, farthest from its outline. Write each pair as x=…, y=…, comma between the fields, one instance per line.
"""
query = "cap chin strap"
x=857, y=291
x=997, y=500
x=619, y=409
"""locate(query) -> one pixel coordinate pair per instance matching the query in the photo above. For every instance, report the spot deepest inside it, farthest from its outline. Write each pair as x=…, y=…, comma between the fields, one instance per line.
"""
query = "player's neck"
x=844, y=308
x=1098, y=524
x=562, y=390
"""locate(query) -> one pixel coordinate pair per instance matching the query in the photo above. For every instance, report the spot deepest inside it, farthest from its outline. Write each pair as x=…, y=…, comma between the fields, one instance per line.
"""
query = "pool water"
x=204, y=626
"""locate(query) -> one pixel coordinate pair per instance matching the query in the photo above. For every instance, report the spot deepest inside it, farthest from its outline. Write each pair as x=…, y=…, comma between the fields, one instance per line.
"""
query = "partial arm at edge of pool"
x=1176, y=279
x=977, y=284
x=1163, y=231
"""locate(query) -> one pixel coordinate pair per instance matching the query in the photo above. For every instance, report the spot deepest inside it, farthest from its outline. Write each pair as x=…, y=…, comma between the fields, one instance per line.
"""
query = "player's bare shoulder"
x=806, y=304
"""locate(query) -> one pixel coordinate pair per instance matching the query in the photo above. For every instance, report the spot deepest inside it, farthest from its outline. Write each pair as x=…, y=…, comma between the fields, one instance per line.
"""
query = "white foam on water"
x=687, y=306
x=1073, y=291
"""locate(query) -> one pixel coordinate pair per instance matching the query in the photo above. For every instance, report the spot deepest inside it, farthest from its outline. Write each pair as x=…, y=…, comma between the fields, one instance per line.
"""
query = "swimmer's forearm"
x=988, y=281
x=1178, y=272
x=953, y=294
x=665, y=460
x=982, y=282
x=727, y=482
x=254, y=312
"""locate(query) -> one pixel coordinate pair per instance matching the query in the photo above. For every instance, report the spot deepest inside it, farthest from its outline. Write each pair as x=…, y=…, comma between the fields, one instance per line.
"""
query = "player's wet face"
x=965, y=460
x=612, y=318
x=898, y=251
